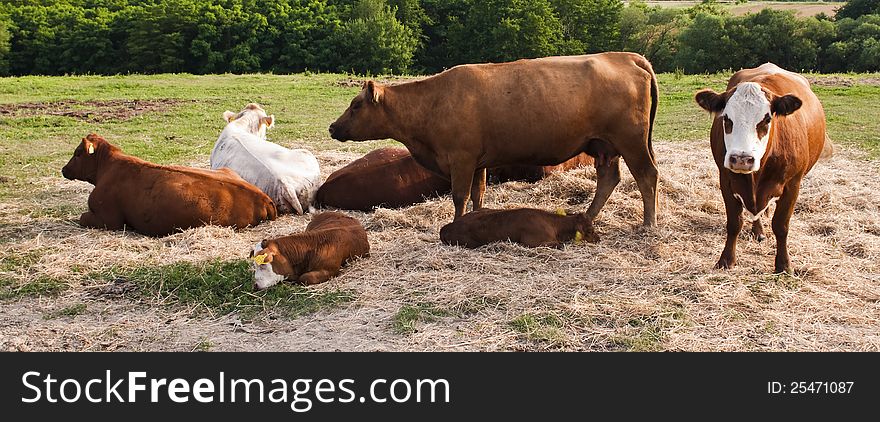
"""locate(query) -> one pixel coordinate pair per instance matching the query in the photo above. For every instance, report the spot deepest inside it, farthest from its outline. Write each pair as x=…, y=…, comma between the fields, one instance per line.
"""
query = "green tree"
x=589, y=26
x=4, y=45
x=854, y=9
x=504, y=30
x=373, y=40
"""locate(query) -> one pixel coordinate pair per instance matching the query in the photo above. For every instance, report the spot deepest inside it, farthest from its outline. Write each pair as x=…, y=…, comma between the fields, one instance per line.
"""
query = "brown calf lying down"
x=313, y=256
x=387, y=177
x=533, y=174
x=159, y=200
x=529, y=227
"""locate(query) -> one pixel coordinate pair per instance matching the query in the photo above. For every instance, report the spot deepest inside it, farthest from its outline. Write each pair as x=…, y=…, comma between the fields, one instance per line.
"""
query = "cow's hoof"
x=724, y=264
x=760, y=238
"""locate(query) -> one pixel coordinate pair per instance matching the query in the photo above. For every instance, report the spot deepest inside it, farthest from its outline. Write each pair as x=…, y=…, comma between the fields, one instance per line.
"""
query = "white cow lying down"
x=289, y=176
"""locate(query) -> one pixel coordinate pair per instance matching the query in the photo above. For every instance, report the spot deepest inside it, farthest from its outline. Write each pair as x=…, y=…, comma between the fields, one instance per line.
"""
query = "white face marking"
x=747, y=107
x=264, y=276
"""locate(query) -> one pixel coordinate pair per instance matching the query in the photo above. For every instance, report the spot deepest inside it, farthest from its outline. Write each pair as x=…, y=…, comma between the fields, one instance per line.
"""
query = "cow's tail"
x=646, y=65
x=288, y=195
x=827, y=149
x=654, y=96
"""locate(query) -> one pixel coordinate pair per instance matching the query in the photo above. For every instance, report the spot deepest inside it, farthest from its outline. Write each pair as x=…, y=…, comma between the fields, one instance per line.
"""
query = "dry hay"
x=635, y=290
x=90, y=111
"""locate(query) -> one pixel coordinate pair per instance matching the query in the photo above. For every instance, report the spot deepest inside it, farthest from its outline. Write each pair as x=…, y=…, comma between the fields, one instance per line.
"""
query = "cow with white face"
x=289, y=176
x=768, y=131
x=747, y=113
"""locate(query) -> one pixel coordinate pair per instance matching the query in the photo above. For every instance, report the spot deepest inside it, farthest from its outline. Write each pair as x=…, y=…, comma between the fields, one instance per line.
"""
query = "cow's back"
x=387, y=177
x=158, y=200
x=285, y=175
x=541, y=111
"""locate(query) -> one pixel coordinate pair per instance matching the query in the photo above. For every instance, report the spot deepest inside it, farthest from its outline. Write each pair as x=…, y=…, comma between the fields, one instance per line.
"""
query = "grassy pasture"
x=633, y=291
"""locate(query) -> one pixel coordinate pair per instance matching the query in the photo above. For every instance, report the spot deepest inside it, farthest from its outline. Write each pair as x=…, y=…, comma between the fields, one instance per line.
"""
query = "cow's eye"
x=728, y=124
x=767, y=118
x=356, y=105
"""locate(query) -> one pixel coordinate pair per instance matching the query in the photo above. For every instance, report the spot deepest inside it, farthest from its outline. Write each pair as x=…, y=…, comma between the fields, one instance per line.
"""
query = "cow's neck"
x=116, y=158
x=409, y=112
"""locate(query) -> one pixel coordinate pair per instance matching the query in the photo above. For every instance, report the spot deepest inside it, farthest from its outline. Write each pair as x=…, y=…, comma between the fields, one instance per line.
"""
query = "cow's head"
x=86, y=158
x=746, y=113
x=253, y=119
x=269, y=265
x=584, y=230
x=366, y=117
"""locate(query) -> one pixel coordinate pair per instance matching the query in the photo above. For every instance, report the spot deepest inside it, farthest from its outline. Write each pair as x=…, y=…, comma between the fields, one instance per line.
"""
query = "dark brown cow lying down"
x=313, y=256
x=535, y=173
x=768, y=131
x=159, y=200
x=387, y=177
x=529, y=227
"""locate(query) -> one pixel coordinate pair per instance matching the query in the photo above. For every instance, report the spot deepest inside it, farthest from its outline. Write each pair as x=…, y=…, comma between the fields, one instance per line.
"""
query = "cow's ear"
x=785, y=105
x=228, y=116
x=374, y=92
x=711, y=101
x=269, y=121
x=89, y=146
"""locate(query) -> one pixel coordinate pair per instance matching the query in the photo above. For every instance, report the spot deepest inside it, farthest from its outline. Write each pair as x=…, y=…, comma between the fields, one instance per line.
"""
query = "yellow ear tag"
x=91, y=149
x=578, y=237
x=260, y=259
x=560, y=211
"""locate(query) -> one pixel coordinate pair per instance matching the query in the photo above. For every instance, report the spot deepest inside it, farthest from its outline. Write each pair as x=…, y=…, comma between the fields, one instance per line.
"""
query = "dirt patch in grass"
x=840, y=81
x=635, y=290
x=90, y=111
x=359, y=82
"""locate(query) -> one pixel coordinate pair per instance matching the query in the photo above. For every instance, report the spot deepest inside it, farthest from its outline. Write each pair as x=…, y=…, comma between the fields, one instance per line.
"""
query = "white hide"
x=264, y=275
x=289, y=177
x=746, y=108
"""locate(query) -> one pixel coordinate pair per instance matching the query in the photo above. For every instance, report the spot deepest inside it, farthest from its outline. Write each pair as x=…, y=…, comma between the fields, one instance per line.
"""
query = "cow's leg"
x=781, y=218
x=91, y=220
x=643, y=169
x=316, y=277
x=758, y=230
x=462, y=177
x=734, y=224
x=478, y=188
x=607, y=178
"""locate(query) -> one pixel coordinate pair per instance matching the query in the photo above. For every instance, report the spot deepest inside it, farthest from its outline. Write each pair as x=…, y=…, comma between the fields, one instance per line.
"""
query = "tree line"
x=415, y=36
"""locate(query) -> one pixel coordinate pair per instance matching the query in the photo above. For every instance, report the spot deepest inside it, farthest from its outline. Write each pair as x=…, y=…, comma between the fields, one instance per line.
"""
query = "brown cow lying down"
x=533, y=174
x=529, y=227
x=159, y=200
x=313, y=256
x=387, y=177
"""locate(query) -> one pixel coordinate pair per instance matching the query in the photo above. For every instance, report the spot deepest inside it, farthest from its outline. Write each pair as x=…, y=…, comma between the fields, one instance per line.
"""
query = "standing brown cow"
x=768, y=132
x=528, y=112
x=159, y=200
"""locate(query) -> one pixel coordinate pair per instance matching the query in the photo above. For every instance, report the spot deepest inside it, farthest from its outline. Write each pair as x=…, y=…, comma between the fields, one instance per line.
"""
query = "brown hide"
x=387, y=177
x=317, y=254
x=159, y=200
x=535, y=173
x=535, y=112
x=526, y=226
x=795, y=143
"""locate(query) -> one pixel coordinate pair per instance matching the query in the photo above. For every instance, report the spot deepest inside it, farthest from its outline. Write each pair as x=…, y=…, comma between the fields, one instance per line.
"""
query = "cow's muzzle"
x=741, y=163
x=335, y=132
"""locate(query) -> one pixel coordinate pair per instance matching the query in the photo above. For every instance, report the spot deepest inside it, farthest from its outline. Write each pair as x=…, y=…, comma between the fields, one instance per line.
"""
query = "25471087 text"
x=810, y=387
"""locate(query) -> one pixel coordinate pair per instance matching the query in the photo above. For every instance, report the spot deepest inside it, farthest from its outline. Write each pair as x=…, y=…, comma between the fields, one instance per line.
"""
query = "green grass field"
x=42, y=120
